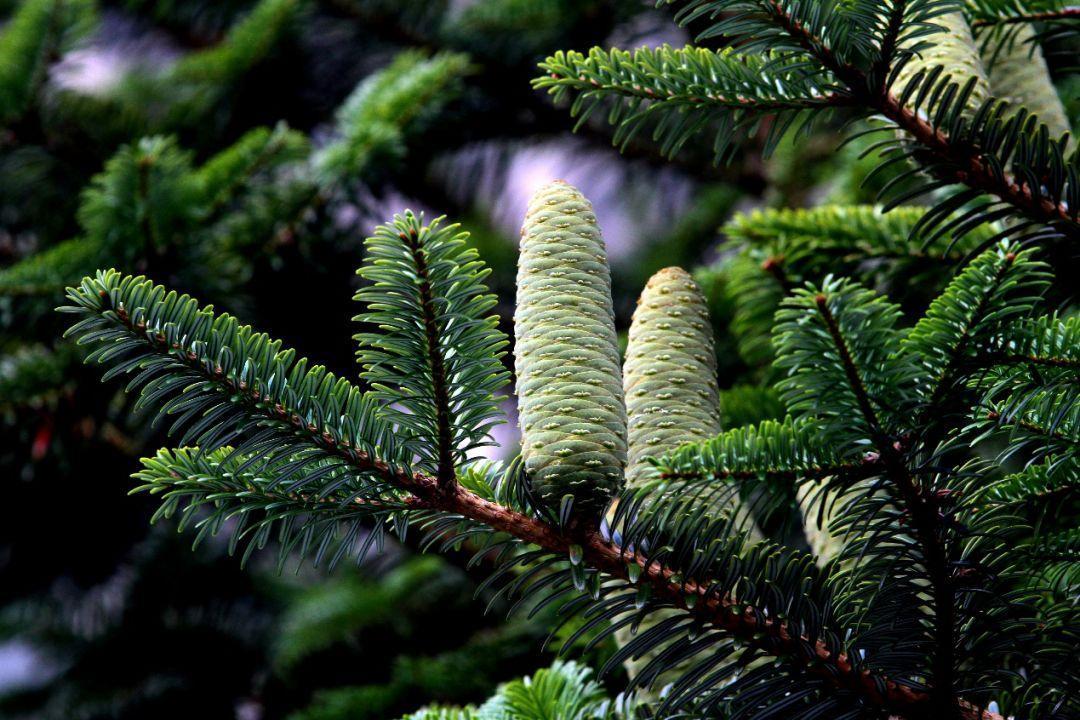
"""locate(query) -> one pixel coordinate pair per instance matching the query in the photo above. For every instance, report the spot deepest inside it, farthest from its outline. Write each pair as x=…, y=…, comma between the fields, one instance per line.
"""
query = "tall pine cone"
x=670, y=375
x=1018, y=74
x=954, y=48
x=569, y=386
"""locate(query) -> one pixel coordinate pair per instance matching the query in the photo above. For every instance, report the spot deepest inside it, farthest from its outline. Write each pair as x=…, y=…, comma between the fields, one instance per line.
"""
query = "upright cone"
x=672, y=398
x=823, y=544
x=669, y=378
x=1019, y=75
x=954, y=48
x=569, y=384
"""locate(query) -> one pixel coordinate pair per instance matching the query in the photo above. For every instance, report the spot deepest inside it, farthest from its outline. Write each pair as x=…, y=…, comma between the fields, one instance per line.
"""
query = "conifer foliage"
x=938, y=457
x=796, y=63
x=924, y=602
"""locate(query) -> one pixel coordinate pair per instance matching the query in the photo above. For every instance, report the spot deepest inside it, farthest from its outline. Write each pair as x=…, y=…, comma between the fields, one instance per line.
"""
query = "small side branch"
x=924, y=517
x=854, y=470
x=446, y=472
x=1069, y=13
x=969, y=166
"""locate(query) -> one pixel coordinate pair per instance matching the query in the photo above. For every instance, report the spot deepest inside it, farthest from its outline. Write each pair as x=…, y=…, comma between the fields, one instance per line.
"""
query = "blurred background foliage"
x=240, y=150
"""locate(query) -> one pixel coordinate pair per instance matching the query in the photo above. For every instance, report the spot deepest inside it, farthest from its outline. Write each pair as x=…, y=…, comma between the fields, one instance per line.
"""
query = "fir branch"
x=1032, y=427
x=230, y=382
x=438, y=352
x=178, y=346
x=599, y=553
x=818, y=51
x=51, y=270
x=618, y=72
x=1045, y=488
x=991, y=13
x=566, y=690
x=144, y=194
x=249, y=41
x=1043, y=419
x=978, y=171
x=998, y=286
x=773, y=451
x=437, y=361
x=184, y=95
x=963, y=164
x=1028, y=384
x=210, y=489
x=684, y=90
x=855, y=380
x=1050, y=341
x=385, y=108
x=851, y=233
x=1055, y=562
x=924, y=514
x=837, y=346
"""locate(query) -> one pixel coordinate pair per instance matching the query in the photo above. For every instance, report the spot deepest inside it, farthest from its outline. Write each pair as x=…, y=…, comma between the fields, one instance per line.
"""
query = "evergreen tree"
x=901, y=387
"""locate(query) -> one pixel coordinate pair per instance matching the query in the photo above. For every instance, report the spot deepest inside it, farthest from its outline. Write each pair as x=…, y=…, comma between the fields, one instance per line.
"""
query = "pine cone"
x=670, y=375
x=954, y=48
x=571, y=411
x=1018, y=74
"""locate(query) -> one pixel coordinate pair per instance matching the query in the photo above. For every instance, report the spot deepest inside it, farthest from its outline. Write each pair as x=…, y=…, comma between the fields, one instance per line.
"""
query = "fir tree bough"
x=796, y=63
x=292, y=448
x=670, y=381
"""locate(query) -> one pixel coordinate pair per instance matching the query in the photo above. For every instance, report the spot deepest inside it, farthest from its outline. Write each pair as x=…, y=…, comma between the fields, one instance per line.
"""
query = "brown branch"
x=719, y=611
x=441, y=399
x=924, y=517
x=1069, y=13
x=774, y=266
x=972, y=169
x=426, y=492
